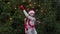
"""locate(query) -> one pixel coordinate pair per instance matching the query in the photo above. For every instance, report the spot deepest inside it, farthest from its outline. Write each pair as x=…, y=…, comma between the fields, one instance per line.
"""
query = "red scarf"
x=28, y=20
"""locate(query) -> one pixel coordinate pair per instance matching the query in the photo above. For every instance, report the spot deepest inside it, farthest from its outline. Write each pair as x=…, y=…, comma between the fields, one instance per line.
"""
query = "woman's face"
x=32, y=14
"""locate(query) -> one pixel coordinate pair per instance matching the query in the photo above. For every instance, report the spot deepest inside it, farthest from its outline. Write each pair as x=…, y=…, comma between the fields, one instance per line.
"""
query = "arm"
x=27, y=15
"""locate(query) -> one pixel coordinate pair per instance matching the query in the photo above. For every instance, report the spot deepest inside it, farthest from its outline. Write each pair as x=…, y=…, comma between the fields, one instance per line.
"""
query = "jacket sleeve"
x=27, y=15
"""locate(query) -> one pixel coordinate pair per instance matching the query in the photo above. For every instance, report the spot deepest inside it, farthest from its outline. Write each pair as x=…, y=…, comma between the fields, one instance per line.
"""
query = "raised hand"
x=21, y=7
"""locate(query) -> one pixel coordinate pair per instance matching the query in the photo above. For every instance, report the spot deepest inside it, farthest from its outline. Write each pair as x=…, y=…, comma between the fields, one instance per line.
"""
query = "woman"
x=29, y=21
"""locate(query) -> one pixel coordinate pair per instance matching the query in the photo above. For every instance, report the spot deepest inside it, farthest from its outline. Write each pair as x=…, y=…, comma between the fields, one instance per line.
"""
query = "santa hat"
x=31, y=11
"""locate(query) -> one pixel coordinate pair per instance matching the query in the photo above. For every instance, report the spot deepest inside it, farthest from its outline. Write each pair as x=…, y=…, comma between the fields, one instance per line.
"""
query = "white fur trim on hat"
x=31, y=11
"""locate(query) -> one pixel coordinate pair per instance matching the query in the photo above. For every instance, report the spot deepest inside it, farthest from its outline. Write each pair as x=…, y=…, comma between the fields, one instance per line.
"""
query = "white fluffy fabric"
x=31, y=12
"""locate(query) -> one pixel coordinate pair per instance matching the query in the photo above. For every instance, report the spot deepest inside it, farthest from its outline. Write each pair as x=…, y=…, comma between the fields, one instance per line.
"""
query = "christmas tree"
x=47, y=11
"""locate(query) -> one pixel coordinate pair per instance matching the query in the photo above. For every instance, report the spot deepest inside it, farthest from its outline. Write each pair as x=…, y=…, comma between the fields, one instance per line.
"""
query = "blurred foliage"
x=47, y=11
